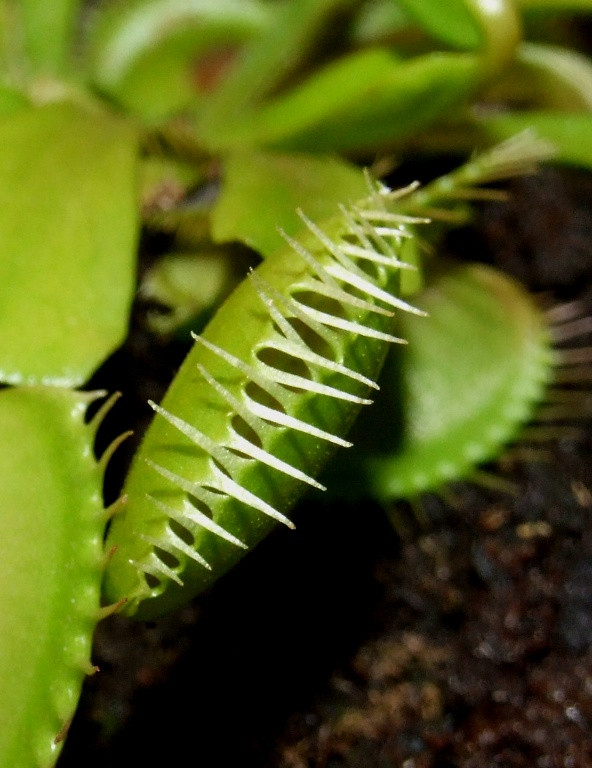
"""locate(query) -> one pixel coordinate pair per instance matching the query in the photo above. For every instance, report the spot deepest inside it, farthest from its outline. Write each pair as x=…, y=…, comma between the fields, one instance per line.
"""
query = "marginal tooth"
x=234, y=489
x=379, y=191
x=571, y=330
x=351, y=326
x=163, y=570
x=243, y=445
x=164, y=545
x=99, y=416
x=368, y=236
x=292, y=307
x=278, y=318
x=115, y=508
x=184, y=485
x=285, y=420
x=238, y=406
x=575, y=356
x=108, y=610
x=249, y=371
x=369, y=287
x=314, y=264
x=561, y=313
x=390, y=232
x=310, y=385
x=208, y=497
x=334, y=248
x=373, y=185
x=397, y=194
x=172, y=541
x=384, y=216
x=360, y=230
x=320, y=361
x=345, y=298
x=108, y=555
x=575, y=396
x=224, y=484
x=195, y=435
x=367, y=254
x=157, y=569
x=111, y=448
x=193, y=516
x=296, y=347
x=573, y=374
x=303, y=350
x=339, y=251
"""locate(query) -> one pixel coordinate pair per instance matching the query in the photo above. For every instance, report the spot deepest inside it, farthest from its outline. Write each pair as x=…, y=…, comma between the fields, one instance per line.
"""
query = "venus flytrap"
x=258, y=407
x=434, y=423
x=268, y=391
x=505, y=375
x=271, y=387
x=51, y=565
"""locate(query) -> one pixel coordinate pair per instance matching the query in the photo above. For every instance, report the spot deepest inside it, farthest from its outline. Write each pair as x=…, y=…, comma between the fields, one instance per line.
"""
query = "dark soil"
x=465, y=642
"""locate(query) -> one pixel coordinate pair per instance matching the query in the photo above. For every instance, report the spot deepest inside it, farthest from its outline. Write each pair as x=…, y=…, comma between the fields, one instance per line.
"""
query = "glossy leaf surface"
x=358, y=102
x=146, y=55
x=450, y=22
x=51, y=526
x=469, y=379
x=257, y=408
x=263, y=190
x=45, y=31
x=297, y=28
x=68, y=224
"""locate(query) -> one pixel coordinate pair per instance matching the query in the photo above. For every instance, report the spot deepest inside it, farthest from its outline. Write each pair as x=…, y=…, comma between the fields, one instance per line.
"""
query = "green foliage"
x=28, y=24
x=66, y=278
x=263, y=190
x=408, y=444
x=147, y=56
x=213, y=122
x=51, y=563
x=361, y=101
x=253, y=416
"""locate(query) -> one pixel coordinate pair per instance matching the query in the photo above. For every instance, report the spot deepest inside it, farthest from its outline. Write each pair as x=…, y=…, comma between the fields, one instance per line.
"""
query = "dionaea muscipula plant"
x=271, y=388
x=434, y=421
x=259, y=404
x=51, y=566
x=267, y=393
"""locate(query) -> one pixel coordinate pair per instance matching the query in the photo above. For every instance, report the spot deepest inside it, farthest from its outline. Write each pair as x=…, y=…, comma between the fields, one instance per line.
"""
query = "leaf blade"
x=68, y=224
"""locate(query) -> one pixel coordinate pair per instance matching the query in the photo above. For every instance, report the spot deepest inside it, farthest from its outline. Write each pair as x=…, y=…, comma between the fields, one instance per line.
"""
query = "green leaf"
x=379, y=22
x=147, y=55
x=571, y=134
x=458, y=392
x=68, y=228
x=451, y=22
x=262, y=191
x=363, y=100
x=545, y=76
x=47, y=30
x=257, y=407
x=491, y=28
x=11, y=100
x=299, y=28
x=190, y=285
x=51, y=560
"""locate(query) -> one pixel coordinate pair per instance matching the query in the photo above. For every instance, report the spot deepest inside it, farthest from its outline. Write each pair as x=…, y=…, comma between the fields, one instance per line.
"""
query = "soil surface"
x=462, y=641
